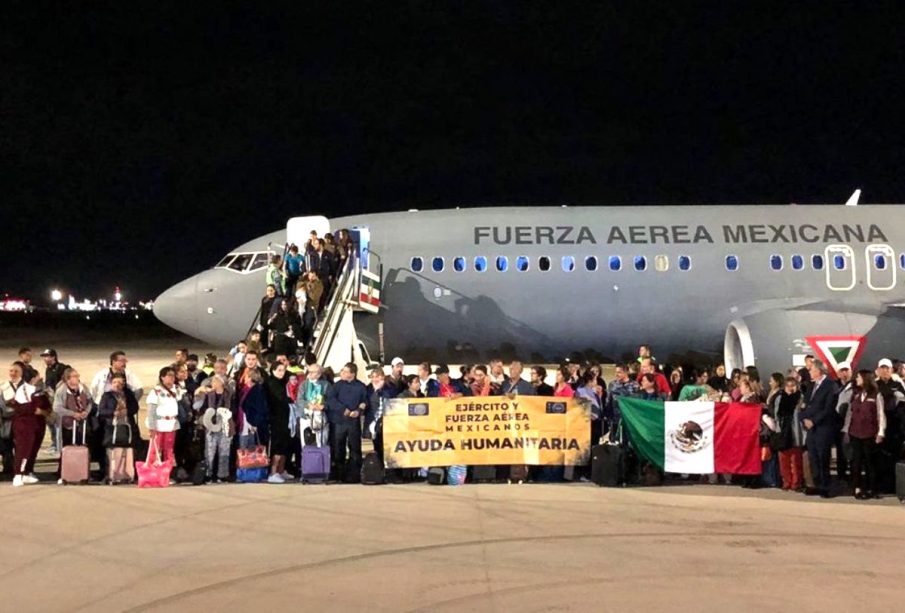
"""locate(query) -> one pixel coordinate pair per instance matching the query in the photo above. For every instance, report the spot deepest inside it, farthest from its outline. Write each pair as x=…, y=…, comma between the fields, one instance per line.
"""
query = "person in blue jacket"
x=346, y=403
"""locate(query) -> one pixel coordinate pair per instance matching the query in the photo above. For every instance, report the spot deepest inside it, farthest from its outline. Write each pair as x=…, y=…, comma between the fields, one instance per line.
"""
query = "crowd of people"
x=199, y=413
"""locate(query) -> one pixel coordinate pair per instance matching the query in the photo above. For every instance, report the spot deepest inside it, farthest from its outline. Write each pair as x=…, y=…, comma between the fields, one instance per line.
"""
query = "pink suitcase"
x=120, y=465
x=75, y=460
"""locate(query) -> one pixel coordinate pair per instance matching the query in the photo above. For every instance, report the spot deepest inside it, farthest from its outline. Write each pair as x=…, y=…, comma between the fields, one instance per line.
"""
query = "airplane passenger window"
x=880, y=261
x=437, y=264
x=661, y=263
x=590, y=263
x=417, y=264
x=684, y=262
x=732, y=262
x=521, y=263
x=459, y=264
x=902, y=260
x=640, y=263
x=241, y=262
x=838, y=262
x=817, y=262
x=480, y=263
x=543, y=263
x=797, y=262
x=615, y=263
x=568, y=263
x=502, y=263
x=776, y=262
x=224, y=263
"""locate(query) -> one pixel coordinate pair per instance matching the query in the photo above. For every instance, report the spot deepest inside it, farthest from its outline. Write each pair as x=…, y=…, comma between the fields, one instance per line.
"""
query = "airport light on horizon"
x=56, y=295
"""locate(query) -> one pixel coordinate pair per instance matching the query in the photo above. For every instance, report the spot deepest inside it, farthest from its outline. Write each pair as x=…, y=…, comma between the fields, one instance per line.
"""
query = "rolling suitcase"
x=120, y=465
x=75, y=460
x=607, y=467
x=900, y=481
x=372, y=472
x=436, y=475
x=315, y=464
x=518, y=473
x=483, y=474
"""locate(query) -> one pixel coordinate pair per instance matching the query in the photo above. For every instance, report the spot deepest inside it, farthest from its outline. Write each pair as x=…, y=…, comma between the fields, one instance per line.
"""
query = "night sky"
x=140, y=144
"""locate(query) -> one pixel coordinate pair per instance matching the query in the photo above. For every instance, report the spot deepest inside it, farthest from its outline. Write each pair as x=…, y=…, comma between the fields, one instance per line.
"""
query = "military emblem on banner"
x=834, y=350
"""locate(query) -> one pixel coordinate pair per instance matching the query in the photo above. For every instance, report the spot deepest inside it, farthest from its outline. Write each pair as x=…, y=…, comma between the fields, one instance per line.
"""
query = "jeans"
x=218, y=446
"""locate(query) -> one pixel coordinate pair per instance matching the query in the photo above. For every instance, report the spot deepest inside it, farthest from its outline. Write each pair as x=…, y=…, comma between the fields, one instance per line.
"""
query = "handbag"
x=256, y=457
x=153, y=472
x=118, y=434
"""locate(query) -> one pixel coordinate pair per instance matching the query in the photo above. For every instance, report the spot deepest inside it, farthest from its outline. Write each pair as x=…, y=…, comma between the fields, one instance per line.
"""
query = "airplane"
x=749, y=285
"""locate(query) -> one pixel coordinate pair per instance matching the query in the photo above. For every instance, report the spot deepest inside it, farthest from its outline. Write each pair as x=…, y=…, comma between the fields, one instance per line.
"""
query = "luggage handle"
x=75, y=428
x=127, y=424
x=153, y=445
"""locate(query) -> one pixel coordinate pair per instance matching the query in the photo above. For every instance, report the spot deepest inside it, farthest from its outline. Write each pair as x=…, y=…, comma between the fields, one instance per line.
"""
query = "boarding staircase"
x=335, y=341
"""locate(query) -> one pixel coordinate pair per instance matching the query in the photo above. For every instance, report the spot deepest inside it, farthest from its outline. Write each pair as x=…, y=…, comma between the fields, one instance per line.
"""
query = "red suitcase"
x=75, y=460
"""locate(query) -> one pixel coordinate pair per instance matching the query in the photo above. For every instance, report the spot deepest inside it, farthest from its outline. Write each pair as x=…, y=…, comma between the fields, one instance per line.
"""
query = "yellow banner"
x=486, y=430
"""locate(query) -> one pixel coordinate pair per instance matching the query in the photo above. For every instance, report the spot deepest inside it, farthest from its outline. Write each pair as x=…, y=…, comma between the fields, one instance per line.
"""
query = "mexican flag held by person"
x=695, y=437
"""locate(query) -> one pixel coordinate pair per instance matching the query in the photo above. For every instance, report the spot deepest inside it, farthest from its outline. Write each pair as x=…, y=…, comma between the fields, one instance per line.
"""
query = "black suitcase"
x=199, y=473
x=607, y=467
x=372, y=472
x=483, y=474
x=900, y=481
x=436, y=475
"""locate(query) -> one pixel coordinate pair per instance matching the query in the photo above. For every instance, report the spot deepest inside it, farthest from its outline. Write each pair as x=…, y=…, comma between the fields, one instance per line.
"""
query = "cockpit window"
x=225, y=261
x=241, y=262
x=259, y=262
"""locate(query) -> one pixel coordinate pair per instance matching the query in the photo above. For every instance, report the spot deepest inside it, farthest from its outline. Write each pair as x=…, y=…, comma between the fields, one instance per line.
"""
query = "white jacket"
x=101, y=383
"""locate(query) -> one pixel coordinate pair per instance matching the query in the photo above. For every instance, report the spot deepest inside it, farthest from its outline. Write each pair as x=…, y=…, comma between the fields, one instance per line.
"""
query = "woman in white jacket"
x=163, y=412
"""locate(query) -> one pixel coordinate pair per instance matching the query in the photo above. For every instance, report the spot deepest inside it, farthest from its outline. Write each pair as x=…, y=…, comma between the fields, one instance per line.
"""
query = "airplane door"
x=361, y=237
x=298, y=229
x=879, y=261
x=840, y=267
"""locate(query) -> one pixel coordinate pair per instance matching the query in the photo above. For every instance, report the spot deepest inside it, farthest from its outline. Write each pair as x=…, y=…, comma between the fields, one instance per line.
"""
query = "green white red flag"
x=369, y=291
x=695, y=437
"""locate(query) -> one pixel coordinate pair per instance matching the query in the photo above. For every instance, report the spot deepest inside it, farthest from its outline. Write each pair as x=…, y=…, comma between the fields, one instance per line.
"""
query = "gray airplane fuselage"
x=675, y=288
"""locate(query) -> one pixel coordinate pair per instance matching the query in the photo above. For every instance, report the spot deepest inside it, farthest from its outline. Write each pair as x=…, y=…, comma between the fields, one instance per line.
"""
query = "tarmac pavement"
x=568, y=547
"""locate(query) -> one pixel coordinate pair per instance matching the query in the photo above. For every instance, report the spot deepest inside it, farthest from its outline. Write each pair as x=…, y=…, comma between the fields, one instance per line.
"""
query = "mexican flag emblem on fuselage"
x=834, y=350
x=369, y=291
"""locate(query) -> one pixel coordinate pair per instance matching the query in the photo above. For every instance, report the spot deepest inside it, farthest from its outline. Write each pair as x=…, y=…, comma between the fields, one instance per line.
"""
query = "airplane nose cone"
x=176, y=307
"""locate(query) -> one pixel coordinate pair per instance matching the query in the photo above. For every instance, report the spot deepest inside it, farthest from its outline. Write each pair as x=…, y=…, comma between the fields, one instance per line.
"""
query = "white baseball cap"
x=397, y=360
x=885, y=362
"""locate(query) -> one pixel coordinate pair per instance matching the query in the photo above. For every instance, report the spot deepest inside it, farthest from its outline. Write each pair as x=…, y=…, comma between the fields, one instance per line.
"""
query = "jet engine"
x=770, y=339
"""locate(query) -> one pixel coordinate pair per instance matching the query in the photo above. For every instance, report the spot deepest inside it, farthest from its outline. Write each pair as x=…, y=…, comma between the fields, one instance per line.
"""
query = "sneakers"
x=275, y=479
x=287, y=476
x=18, y=481
x=30, y=479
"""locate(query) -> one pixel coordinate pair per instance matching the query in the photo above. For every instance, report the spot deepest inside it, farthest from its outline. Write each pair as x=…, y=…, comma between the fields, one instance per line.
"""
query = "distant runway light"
x=56, y=295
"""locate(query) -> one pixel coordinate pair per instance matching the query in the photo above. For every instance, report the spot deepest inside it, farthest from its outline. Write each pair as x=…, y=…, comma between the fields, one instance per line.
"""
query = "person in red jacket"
x=648, y=366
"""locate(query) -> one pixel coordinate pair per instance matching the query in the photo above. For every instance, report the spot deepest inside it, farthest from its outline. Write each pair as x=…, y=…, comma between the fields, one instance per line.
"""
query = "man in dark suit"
x=819, y=419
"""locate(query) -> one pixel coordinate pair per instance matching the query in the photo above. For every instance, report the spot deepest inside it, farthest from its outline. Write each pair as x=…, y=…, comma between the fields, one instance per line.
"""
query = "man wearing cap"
x=395, y=378
x=844, y=373
x=53, y=376
x=893, y=393
x=820, y=420
x=447, y=386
